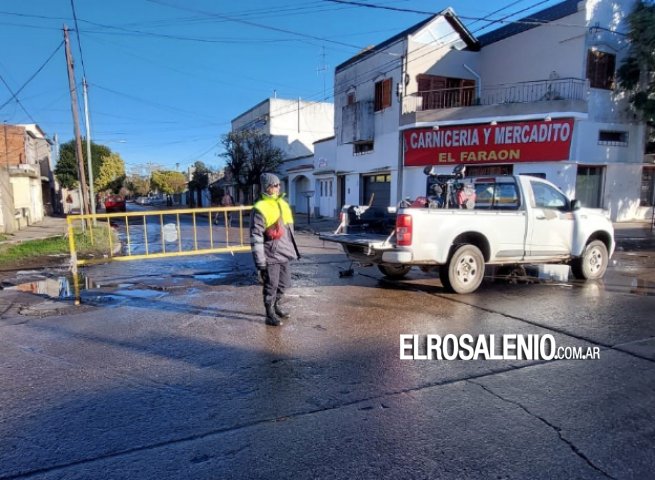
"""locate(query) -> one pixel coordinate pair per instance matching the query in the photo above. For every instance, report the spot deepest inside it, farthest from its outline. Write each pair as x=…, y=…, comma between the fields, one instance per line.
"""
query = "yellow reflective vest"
x=271, y=207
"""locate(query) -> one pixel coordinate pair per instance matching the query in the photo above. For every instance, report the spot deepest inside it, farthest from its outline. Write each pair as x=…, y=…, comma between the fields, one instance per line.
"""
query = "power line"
x=17, y=100
x=148, y=102
x=525, y=21
x=79, y=43
x=38, y=70
x=258, y=25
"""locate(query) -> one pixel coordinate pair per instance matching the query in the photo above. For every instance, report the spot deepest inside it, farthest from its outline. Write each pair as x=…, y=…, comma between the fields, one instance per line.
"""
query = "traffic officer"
x=273, y=245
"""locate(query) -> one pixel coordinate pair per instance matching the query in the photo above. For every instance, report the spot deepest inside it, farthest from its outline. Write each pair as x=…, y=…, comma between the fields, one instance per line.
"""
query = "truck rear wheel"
x=593, y=262
x=394, y=271
x=464, y=271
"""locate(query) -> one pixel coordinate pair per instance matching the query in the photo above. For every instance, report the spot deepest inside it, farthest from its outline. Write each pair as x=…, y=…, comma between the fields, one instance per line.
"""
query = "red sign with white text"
x=511, y=142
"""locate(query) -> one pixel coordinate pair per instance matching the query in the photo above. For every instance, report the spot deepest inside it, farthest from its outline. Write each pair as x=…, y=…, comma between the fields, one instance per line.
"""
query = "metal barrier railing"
x=156, y=234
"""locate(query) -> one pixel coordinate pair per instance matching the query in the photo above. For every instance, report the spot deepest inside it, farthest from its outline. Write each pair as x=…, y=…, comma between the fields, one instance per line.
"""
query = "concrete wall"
x=12, y=145
x=516, y=59
x=7, y=210
x=294, y=124
x=27, y=197
x=297, y=124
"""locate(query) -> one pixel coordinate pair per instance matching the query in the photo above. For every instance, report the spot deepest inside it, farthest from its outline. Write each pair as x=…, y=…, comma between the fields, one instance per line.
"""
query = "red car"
x=114, y=203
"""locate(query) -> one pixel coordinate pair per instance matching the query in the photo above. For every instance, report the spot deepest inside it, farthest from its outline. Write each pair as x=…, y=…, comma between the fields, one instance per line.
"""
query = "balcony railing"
x=523, y=92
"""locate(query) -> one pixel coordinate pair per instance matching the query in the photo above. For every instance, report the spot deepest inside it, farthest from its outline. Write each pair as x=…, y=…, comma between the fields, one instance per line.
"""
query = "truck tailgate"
x=356, y=239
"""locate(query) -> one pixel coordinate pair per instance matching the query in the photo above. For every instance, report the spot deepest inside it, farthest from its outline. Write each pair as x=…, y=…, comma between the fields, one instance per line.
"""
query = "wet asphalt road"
x=168, y=372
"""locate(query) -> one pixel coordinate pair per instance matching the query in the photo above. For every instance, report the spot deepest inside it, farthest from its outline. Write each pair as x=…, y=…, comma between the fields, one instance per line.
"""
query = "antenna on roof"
x=323, y=68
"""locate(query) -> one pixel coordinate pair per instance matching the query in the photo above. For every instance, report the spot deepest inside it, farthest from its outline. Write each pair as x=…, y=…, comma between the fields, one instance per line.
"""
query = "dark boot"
x=279, y=311
x=271, y=318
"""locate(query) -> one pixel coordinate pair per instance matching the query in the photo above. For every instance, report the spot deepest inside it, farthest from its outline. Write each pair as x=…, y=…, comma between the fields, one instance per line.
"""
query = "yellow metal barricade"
x=120, y=237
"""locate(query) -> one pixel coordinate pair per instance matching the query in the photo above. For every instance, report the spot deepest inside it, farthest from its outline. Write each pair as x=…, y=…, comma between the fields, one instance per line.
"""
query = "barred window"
x=362, y=147
x=600, y=69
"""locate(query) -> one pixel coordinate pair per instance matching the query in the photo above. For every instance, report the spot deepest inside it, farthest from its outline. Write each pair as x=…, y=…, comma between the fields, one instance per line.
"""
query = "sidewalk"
x=314, y=225
x=48, y=227
x=635, y=230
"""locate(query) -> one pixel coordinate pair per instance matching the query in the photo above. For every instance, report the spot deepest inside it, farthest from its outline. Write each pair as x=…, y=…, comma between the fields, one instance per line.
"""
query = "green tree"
x=137, y=185
x=637, y=72
x=111, y=175
x=199, y=180
x=168, y=181
x=66, y=168
x=248, y=154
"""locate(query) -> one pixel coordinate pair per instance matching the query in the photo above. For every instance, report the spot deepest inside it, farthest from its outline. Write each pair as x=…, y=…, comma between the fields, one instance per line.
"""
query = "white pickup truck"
x=513, y=220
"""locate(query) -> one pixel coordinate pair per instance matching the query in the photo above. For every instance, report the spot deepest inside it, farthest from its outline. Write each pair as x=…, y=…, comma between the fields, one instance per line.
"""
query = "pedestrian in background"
x=273, y=245
x=226, y=201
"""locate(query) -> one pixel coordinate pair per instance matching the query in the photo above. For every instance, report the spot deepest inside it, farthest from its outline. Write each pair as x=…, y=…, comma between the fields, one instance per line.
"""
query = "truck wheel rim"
x=595, y=260
x=467, y=269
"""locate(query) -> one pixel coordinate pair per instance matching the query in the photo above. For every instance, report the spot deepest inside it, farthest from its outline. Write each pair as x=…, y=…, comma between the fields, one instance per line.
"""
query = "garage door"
x=380, y=186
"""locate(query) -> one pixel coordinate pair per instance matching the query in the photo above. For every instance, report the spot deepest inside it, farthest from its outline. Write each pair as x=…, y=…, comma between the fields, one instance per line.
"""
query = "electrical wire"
x=258, y=25
x=16, y=98
x=79, y=43
x=38, y=70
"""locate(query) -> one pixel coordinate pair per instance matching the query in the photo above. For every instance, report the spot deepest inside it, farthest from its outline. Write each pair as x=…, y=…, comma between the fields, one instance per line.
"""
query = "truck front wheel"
x=593, y=262
x=395, y=271
x=464, y=271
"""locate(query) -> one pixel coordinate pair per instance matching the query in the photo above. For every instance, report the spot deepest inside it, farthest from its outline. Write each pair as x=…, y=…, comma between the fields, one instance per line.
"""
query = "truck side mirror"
x=575, y=205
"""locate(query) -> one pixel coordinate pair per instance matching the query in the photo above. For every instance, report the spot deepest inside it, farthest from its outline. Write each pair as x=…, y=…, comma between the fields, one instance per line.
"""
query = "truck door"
x=551, y=223
x=501, y=196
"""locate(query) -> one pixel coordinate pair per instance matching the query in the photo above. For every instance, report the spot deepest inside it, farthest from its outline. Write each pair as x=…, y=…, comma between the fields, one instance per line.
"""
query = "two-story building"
x=294, y=125
x=536, y=96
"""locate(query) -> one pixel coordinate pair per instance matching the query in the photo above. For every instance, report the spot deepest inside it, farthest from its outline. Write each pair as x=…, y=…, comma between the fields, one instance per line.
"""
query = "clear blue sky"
x=167, y=76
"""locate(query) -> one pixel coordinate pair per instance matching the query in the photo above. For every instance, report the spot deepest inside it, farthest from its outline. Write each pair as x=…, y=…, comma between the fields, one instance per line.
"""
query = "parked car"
x=142, y=201
x=115, y=203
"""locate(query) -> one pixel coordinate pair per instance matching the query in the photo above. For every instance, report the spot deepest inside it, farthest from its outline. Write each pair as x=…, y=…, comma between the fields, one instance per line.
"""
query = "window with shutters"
x=382, y=94
x=445, y=92
x=600, y=69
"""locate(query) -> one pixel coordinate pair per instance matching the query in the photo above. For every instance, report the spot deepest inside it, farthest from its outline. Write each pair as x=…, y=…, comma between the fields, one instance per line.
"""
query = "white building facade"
x=294, y=125
x=533, y=97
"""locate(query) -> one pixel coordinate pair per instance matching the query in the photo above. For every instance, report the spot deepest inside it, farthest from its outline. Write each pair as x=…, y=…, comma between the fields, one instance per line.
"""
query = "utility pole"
x=92, y=196
x=76, y=124
x=6, y=149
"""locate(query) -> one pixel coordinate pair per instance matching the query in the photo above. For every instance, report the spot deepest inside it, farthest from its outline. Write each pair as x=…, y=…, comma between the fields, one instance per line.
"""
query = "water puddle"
x=211, y=277
x=60, y=288
x=139, y=293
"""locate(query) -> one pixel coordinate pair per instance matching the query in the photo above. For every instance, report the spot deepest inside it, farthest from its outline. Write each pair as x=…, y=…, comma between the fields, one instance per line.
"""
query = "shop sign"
x=511, y=142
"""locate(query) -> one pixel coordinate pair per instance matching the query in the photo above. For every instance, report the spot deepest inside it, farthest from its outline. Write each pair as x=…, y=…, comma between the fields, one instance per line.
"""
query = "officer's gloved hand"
x=261, y=273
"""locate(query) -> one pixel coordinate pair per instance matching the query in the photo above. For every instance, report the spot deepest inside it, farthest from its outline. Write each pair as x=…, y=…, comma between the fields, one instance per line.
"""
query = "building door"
x=326, y=197
x=341, y=181
x=589, y=185
x=378, y=188
x=302, y=189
